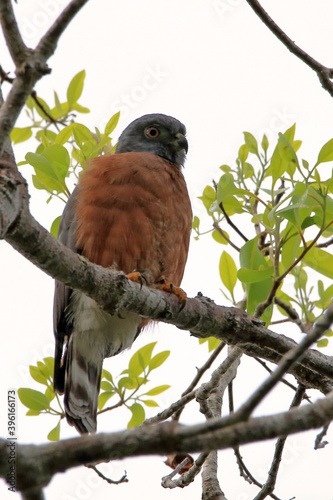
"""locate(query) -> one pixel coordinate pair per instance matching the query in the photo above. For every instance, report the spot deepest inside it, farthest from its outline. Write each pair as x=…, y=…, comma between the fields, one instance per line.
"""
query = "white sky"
x=218, y=69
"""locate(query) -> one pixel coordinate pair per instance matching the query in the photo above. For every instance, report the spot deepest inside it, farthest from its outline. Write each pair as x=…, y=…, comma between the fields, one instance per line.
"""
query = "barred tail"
x=82, y=384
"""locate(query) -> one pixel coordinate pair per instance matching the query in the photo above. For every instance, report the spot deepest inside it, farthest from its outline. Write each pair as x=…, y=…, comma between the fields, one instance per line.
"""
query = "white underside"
x=98, y=334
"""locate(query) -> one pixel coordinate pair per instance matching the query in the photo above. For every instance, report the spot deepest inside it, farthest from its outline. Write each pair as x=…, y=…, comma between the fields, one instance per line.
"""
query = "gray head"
x=158, y=134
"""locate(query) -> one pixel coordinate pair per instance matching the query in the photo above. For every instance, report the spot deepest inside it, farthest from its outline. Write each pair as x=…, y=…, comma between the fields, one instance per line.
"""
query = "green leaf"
x=213, y=342
x=243, y=153
x=196, y=222
x=57, y=101
x=49, y=393
x=228, y=271
x=51, y=167
x=232, y=205
x=81, y=133
x=251, y=142
x=81, y=109
x=33, y=413
x=225, y=168
x=38, y=375
x=158, y=360
x=248, y=170
x=128, y=383
x=45, y=107
x=141, y=358
x=253, y=276
x=107, y=375
x=151, y=403
x=55, y=226
x=49, y=363
x=264, y=143
x=157, y=390
x=225, y=187
x=75, y=87
x=104, y=398
x=208, y=197
x=320, y=261
x=217, y=236
x=64, y=135
x=257, y=292
x=138, y=415
x=32, y=399
x=20, y=134
x=291, y=247
x=322, y=343
x=43, y=369
x=111, y=124
x=326, y=153
x=54, y=435
x=106, y=386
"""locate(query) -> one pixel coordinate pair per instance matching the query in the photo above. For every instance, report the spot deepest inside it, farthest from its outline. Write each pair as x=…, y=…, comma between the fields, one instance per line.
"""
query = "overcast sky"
x=217, y=68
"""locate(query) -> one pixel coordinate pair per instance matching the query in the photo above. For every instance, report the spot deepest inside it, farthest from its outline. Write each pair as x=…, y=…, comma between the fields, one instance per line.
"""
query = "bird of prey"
x=129, y=212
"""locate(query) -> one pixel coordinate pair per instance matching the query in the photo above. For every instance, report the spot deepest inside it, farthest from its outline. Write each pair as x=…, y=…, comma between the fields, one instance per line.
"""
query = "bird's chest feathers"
x=127, y=212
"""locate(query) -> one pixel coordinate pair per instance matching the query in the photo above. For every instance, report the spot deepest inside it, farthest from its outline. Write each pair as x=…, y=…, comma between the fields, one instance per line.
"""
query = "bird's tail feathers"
x=82, y=384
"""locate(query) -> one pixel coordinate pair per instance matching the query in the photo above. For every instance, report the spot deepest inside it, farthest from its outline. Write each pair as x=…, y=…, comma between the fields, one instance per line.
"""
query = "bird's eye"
x=152, y=132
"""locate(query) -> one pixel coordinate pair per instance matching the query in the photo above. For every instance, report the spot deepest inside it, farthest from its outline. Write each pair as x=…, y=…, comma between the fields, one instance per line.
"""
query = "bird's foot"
x=176, y=290
x=138, y=278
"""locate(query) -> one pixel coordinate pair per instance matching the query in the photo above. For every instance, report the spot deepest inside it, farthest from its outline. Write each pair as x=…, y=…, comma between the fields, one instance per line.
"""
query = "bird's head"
x=158, y=134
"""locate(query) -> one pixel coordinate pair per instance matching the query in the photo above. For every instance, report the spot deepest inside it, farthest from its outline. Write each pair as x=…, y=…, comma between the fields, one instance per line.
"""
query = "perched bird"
x=130, y=212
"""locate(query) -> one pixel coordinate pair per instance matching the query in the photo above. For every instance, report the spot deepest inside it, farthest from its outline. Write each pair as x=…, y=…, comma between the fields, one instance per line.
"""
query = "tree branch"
x=41, y=462
x=114, y=292
x=17, y=48
x=324, y=74
x=30, y=64
x=269, y=486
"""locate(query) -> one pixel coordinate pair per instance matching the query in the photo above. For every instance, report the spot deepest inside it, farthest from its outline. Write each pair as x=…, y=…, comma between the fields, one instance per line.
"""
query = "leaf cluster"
x=127, y=390
x=64, y=144
x=279, y=210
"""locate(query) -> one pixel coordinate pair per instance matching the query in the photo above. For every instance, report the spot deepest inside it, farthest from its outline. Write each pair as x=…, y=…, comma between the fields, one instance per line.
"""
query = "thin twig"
x=243, y=470
x=326, y=244
x=283, y=380
x=4, y=76
x=200, y=372
x=123, y=479
x=324, y=74
x=223, y=234
x=288, y=360
x=42, y=108
x=231, y=224
x=168, y=412
x=319, y=443
x=293, y=314
x=187, y=477
x=269, y=486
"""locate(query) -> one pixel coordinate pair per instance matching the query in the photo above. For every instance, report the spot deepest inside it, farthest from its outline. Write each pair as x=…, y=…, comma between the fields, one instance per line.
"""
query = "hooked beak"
x=181, y=142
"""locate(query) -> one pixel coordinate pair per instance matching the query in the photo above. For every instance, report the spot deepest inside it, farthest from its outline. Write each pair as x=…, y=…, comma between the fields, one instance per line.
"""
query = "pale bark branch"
x=40, y=463
x=17, y=48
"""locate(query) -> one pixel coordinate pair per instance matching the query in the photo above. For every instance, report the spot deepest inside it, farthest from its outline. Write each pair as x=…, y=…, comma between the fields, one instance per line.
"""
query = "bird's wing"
x=62, y=325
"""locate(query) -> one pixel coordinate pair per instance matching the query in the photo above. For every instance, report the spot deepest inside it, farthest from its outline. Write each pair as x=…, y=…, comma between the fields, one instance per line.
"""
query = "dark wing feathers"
x=62, y=326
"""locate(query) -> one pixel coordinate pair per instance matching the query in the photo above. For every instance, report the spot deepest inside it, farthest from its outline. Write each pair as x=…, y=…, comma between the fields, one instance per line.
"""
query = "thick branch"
x=113, y=291
x=41, y=462
x=17, y=48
